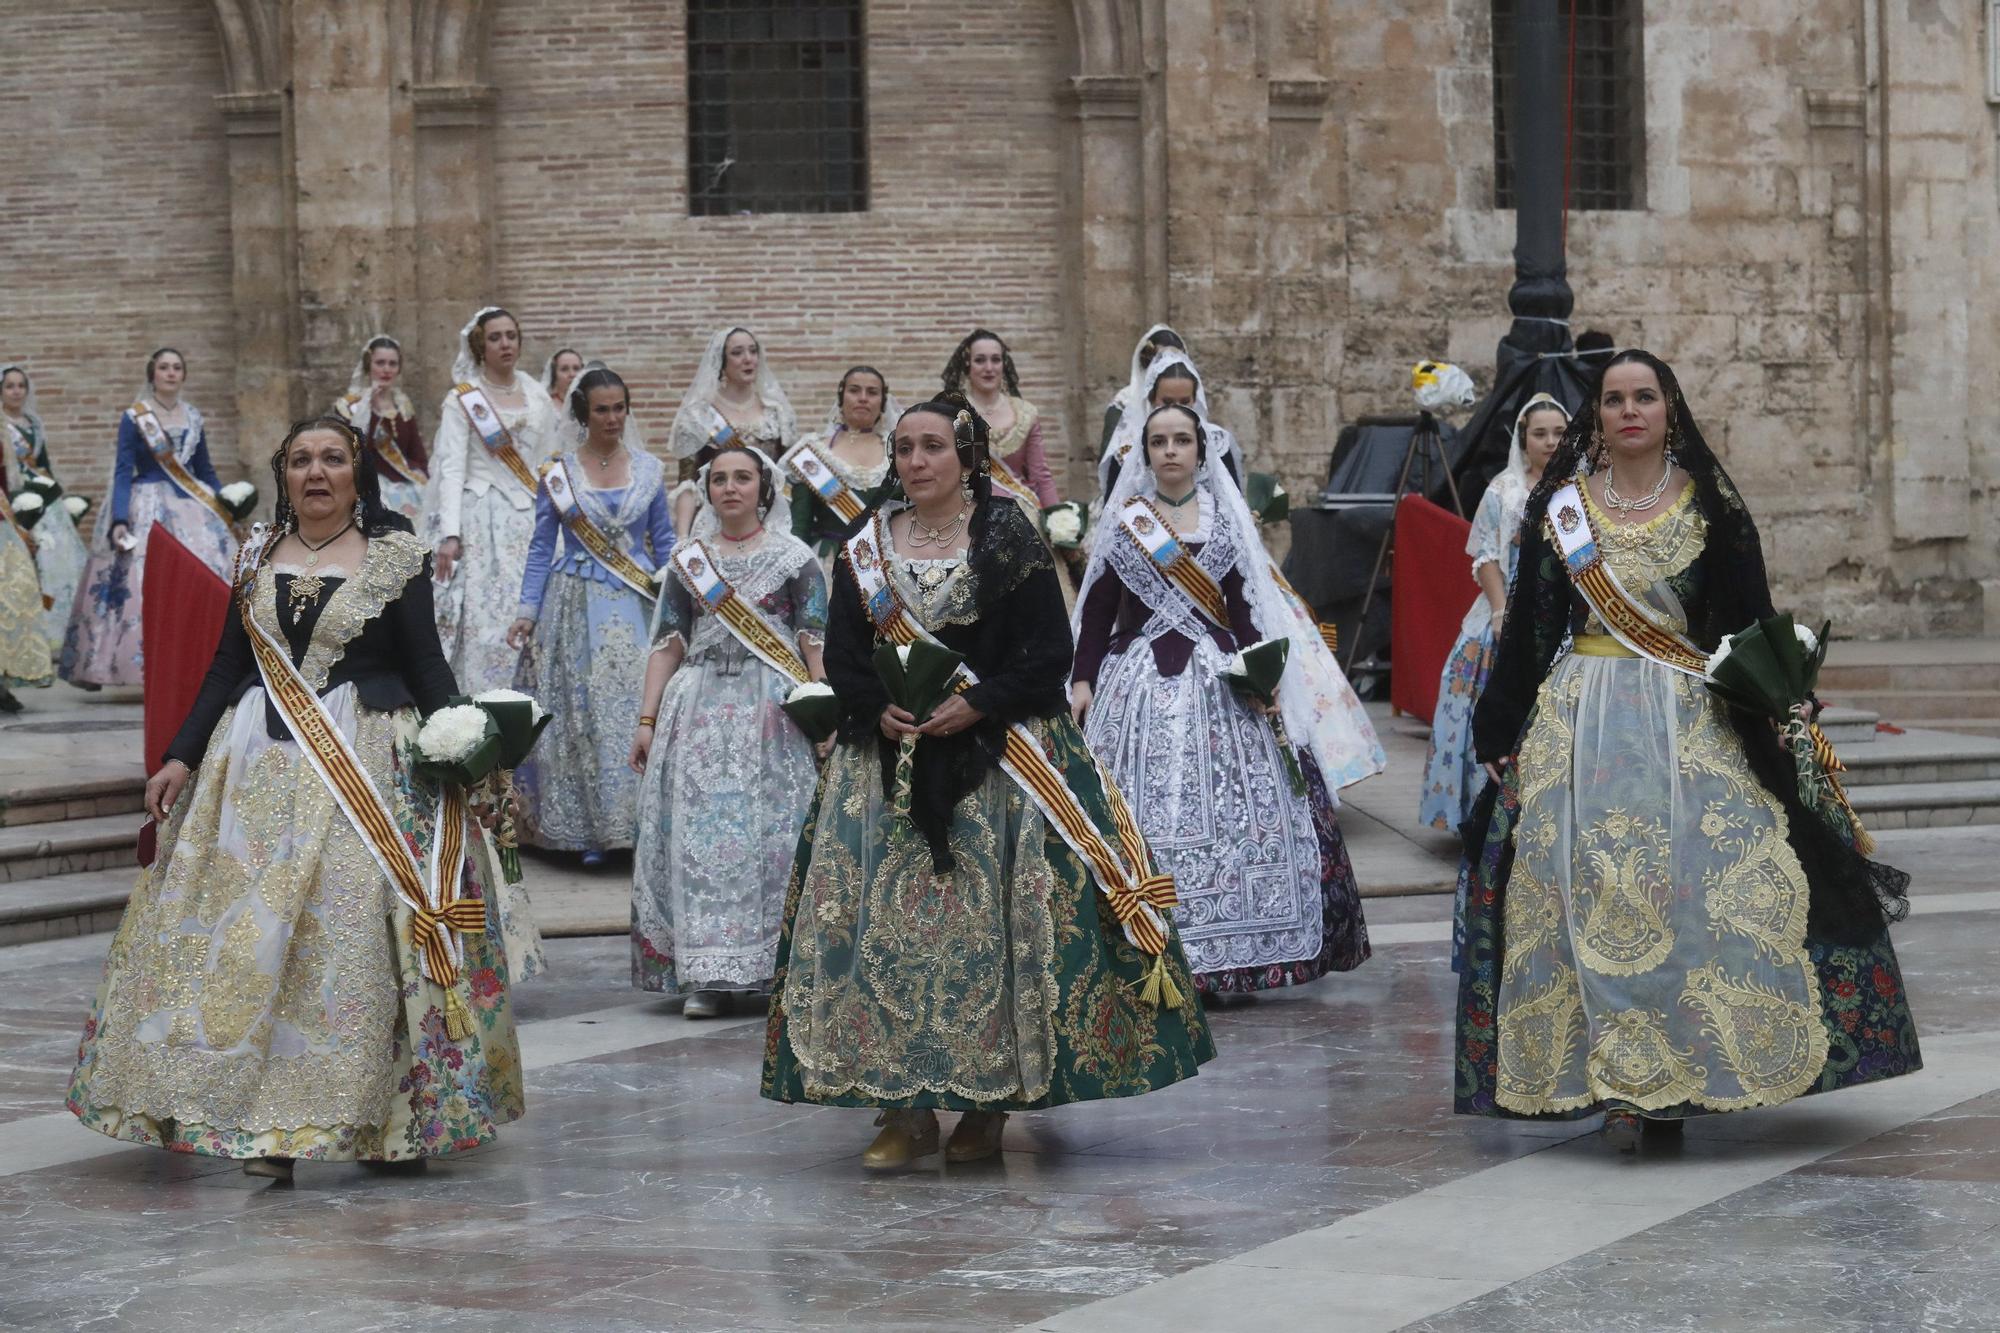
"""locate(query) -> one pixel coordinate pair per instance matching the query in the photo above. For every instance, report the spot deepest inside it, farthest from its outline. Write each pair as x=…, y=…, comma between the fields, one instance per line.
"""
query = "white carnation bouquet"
x=28, y=508
x=814, y=708
x=458, y=743
x=77, y=506
x=1064, y=524
x=239, y=498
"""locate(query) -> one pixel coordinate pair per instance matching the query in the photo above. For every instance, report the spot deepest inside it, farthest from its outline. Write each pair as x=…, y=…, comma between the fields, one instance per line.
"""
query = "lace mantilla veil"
x=696, y=421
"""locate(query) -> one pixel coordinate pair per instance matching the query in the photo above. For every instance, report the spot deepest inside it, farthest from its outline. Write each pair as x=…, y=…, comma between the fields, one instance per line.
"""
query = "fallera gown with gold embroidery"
x=261, y=996
x=1652, y=951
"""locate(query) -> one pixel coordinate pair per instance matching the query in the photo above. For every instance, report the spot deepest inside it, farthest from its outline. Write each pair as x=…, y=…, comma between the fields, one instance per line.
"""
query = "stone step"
x=1848, y=726
x=1918, y=755
x=1926, y=664
x=58, y=906
x=1896, y=805
x=48, y=803
x=63, y=847
x=1930, y=708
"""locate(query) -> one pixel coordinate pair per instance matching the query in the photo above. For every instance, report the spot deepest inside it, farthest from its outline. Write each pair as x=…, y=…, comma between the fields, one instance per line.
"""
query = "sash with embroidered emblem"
x=1153, y=535
x=562, y=494
x=703, y=579
x=805, y=462
x=1141, y=897
x=493, y=433
x=1624, y=616
x=438, y=915
x=161, y=446
x=24, y=451
x=384, y=440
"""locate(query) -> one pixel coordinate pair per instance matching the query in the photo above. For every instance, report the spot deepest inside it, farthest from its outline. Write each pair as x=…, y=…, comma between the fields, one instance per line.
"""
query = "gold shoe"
x=905, y=1136
x=976, y=1136
x=270, y=1168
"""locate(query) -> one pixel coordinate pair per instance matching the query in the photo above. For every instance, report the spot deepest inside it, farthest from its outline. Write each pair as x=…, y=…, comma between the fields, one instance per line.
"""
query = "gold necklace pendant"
x=305, y=590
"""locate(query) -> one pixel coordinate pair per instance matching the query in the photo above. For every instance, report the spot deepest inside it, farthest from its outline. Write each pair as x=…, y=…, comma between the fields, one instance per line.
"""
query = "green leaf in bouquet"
x=1266, y=497
x=921, y=683
x=515, y=721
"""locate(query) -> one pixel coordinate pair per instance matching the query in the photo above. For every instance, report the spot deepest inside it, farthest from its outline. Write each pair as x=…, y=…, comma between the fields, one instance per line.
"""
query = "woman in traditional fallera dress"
x=729, y=776
x=1267, y=894
x=583, y=624
x=1340, y=735
x=964, y=955
x=1129, y=402
x=1452, y=777
x=735, y=395
x=480, y=508
x=853, y=451
x=159, y=435
x=982, y=368
x=560, y=371
x=60, y=553
x=25, y=658
x=376, y=405
x=264, y=997
x=1658, y=926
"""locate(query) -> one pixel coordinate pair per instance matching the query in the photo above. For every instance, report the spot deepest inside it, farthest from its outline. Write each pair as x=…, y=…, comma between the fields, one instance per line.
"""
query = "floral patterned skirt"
x=24, y=652
x=585, y=665
x=1000, y=986
x=1636, y=923
x=60, y=556
x=477, y=604
x=261, y=997
x=728, y=784
x=405, y=498
x=102, y=643
x=1452, y=776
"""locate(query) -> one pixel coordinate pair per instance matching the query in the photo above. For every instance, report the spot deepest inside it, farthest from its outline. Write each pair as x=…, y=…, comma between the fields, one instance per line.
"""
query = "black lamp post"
x=1536, y=355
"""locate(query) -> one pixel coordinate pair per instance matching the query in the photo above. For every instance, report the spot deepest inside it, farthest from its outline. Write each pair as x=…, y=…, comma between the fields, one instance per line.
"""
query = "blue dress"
x=587, y=661
x=102, y=643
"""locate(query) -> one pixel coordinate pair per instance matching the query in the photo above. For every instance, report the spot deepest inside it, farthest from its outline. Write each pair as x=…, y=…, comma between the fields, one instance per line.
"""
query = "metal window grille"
x=776, y=109
x=1608, y=127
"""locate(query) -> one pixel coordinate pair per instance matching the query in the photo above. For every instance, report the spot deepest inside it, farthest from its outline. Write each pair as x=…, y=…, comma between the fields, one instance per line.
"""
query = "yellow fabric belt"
x=1599, y=645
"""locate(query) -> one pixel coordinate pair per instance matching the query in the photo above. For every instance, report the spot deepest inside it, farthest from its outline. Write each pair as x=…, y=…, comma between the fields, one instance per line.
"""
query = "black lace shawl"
x=1018, y=645
x=1852, y=898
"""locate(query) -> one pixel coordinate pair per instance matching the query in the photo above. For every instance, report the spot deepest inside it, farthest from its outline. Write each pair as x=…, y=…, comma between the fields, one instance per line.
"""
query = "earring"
x=357, y=511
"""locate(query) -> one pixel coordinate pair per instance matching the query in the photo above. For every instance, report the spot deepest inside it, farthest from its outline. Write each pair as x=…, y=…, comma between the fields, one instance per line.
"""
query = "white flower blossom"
x=27, y=502
x=1278, y=492
x=511, y=697
x=1721, y=654
x=1807, y=639
x=76, y=505
x=903, y=653
x=237, y=493
x=812, y=689
x=453, y=733
x=1236, y=666
x=1065, y=527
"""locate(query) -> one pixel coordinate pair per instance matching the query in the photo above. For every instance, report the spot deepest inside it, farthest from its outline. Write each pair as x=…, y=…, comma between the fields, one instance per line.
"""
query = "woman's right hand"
x=1080, y=695
x=1495, y=768
x=164, y=788
x=442, y=563
x=642, y=747
x=897, y=724
x=118, y=532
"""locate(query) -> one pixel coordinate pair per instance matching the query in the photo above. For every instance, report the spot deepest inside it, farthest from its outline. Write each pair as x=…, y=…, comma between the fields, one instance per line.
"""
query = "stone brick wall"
x=114, y=216
x=596, y=249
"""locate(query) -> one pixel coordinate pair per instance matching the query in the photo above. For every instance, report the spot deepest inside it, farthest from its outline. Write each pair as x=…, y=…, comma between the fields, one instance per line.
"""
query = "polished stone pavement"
x=1312, y=1178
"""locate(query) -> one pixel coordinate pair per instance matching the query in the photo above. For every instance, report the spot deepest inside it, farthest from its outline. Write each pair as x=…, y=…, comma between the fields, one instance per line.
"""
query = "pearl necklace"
x=942, y=536
x=1644, y=502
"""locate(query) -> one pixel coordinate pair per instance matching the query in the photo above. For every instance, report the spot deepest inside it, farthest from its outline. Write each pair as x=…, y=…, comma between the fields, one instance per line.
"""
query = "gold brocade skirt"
x=1655, y=918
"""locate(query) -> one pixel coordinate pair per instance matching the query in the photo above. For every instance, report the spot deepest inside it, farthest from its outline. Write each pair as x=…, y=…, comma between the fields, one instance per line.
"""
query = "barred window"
x=776, y=119
x=1608, y=128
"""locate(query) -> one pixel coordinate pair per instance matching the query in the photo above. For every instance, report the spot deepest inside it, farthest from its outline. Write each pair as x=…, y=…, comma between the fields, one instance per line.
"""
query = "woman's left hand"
x=519, y=633
x=951, y=717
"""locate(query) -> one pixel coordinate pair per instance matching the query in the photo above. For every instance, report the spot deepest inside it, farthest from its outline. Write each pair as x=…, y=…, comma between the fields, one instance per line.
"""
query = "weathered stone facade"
x=1303, y=187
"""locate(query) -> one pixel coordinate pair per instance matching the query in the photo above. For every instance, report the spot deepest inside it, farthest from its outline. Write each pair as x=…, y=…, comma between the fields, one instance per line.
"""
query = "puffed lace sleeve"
x=1488, y=540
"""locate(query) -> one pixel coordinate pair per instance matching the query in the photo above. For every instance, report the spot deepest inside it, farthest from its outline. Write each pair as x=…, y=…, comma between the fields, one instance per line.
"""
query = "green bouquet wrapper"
x=1267, y=497
x=816, y=711
x=468, y=770
x=917, y=686
x=1256, y=671
x=519, y=721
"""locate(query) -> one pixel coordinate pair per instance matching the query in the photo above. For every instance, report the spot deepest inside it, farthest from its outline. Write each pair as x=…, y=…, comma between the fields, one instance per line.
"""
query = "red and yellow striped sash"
x=703, y=579
x=493, y=433
x=162, y=447
x=562, y=494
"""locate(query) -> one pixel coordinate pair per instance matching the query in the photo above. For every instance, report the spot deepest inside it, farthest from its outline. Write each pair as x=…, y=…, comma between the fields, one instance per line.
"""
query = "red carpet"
x=185, y=604
x=1430, y=587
